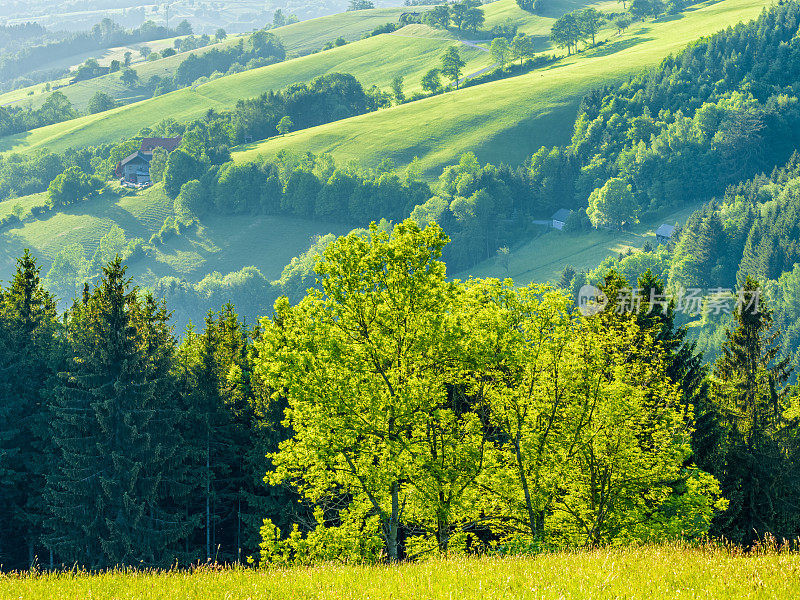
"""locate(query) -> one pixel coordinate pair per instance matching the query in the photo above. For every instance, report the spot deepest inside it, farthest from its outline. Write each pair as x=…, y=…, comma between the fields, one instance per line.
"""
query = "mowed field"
x=658, y=573
x=221, y=244
x=507, y=120
x=542, y=259
x=376, y=60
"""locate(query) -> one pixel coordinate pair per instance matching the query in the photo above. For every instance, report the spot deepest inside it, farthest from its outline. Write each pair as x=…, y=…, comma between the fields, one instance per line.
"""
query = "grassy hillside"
x=510, y=119
x=642, y=573
x=543, y=258
x=222, y=244
x=410, y=53
x=375, y=60
x=298, y=38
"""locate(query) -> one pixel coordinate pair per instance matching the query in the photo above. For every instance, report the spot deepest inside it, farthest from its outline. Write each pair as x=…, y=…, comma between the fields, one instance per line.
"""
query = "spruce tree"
x=113, y=426
x=28, y=328
x=756, y=458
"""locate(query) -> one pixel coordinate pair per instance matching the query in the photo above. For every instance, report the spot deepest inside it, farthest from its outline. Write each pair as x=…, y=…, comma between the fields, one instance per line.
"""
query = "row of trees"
x=117, y=444
x=465, y=15
x=420, y=415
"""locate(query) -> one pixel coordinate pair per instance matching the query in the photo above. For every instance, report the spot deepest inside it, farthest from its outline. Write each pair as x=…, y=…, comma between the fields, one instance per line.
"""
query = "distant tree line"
x=261, y=46
x=25, y=62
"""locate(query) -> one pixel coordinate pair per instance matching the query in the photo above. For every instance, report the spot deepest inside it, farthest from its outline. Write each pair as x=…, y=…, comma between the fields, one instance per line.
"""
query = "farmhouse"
x=559, y=220
x=664, y=233
x=135, y=169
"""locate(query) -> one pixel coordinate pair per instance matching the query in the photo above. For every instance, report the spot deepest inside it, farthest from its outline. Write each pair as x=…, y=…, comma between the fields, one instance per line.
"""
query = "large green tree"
x=366, y=363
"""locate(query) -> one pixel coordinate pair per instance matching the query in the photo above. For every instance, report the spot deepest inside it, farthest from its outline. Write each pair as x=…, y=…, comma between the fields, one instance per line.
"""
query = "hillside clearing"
x=223, y=243
x=542, y=259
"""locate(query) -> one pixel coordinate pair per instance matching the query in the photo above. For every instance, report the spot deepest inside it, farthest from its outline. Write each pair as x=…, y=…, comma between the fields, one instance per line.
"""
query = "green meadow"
x=376, y=60
x=544, y=257
x=663, y=573
x=299, y=39
x=507, y=120
x=221, y=243
x=410, y=53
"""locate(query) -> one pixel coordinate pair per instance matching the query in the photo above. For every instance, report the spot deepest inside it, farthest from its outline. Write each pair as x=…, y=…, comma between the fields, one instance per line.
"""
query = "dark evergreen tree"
x=114, y=422
x=28, y=329
x=756, y=458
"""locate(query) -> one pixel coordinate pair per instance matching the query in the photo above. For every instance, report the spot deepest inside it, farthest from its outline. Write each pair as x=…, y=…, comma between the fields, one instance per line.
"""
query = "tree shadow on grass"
x=113, y=212
x=618, y=46
x=9, y=142
x=668, y=18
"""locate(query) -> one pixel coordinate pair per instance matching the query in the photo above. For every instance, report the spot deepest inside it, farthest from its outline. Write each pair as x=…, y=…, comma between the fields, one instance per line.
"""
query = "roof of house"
x=128, y=159
x=561, y=215
x=169, y=144
x=665, y=231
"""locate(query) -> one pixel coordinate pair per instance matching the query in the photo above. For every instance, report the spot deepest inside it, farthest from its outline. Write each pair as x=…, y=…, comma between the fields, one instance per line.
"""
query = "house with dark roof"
x=135, y=169
x=169, y=144
x=664, y=233
x=559, y=219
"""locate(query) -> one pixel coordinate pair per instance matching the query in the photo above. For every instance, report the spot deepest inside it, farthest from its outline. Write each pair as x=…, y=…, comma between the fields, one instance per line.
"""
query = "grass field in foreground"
x=662, y=573
x=507, y=120
x=542, y=259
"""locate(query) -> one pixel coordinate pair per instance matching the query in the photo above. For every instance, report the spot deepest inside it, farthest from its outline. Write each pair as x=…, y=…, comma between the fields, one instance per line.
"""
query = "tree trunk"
x=532, y=519
x=442, y=527
x=392, y=526
x=208, y=500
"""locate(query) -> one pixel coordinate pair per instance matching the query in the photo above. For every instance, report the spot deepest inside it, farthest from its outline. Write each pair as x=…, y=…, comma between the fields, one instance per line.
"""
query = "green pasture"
x=668, y=572
x=221, y=243
x=507, y=120
x=542, y=259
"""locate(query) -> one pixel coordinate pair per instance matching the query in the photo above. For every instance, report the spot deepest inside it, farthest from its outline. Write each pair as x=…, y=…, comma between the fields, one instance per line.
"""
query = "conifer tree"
x=28, y=326
x=757, y=449
x=113, y=427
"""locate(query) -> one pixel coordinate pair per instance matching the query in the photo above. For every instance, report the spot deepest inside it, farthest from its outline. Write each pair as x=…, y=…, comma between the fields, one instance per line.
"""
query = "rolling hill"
x=507, y=120
x=374, y=60
x=299, y=39
x=504, y=120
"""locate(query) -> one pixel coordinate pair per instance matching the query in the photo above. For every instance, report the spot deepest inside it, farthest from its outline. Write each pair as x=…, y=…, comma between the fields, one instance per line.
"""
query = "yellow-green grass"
x=375, y=60
x=26, y=202
x=507, y=120
x=542, y=259
x=221, y=243
x=307, y=36
x=656, y=573
x=360, y=59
